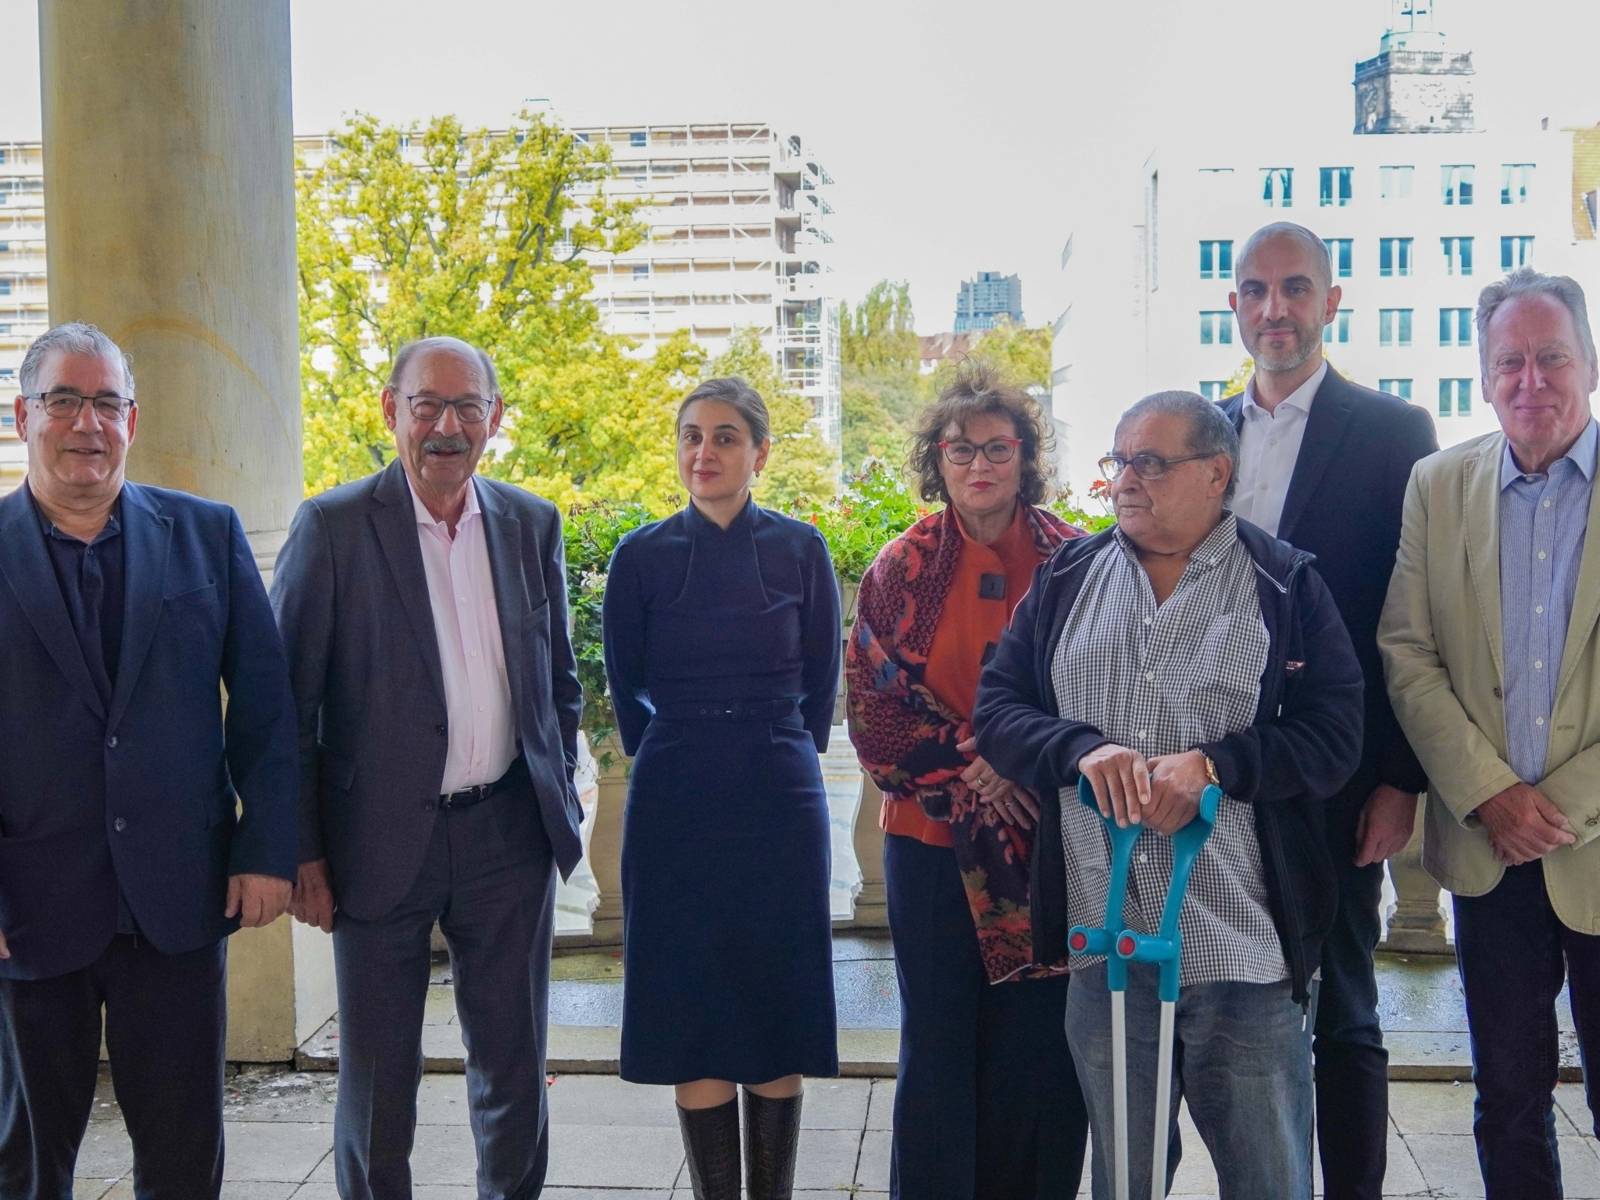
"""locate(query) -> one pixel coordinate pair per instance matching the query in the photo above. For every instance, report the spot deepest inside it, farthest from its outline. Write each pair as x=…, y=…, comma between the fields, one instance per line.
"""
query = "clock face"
x=1371, y=106
x=1433, y=97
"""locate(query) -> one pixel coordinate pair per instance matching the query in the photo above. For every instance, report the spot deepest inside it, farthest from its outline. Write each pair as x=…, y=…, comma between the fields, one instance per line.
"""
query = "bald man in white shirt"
x=1323, y=465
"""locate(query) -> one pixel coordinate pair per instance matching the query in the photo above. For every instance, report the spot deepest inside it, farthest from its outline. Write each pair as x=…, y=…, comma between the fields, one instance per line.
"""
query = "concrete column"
x=169, y=200
x=1416, y=924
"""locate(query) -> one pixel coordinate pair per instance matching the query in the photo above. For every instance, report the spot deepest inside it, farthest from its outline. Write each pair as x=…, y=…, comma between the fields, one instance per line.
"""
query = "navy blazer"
x=143, y=793
x=1343, y=506
x=351, y=596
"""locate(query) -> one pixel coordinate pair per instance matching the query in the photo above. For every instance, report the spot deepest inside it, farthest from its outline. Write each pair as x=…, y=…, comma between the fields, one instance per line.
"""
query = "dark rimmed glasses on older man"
x=63, y=404
x=1145, y=466
x=996, y=450
x=470, y=410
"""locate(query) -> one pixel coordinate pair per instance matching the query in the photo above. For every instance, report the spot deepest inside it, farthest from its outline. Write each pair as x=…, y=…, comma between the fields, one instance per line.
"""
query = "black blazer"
x=351, y=597
x=143, y=792
x=1343, y=506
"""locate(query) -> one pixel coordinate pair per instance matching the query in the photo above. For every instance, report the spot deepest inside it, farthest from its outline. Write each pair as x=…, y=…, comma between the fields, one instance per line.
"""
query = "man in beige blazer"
x=1491, y=650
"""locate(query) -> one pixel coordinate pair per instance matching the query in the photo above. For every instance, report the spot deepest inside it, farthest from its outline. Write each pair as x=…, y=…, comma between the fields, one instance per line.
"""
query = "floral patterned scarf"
x=906, y=737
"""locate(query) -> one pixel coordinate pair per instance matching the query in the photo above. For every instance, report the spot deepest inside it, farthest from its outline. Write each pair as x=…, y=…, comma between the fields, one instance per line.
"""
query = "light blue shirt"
x=1543, y=519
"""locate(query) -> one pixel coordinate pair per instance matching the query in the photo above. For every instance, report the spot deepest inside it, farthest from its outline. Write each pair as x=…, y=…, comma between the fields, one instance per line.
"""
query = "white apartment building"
x=738, y=219
x=24, y=310
x=1416, y=224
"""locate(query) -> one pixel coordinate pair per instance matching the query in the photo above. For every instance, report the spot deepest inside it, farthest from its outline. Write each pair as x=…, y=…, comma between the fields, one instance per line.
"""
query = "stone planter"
x=605, y=844
x=1416, y=925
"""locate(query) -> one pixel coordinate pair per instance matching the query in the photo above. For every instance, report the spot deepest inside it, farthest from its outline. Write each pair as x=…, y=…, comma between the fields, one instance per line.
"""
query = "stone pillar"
x=872, y=902
x=1416, y=925
x=169, y=199
x=605, y=845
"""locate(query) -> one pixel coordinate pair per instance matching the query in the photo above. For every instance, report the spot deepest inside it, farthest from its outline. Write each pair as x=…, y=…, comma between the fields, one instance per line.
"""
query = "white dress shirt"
x=466, y=622
x=1269, y=445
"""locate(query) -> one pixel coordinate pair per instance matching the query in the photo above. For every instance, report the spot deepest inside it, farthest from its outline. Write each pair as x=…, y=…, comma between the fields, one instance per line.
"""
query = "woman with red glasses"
x=987, y=1106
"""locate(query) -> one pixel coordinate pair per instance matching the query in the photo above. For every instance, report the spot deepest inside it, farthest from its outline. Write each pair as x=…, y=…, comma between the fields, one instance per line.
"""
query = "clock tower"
x=1417, y=83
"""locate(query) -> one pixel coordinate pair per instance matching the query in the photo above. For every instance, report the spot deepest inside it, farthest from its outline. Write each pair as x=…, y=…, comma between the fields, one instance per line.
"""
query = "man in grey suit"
x=425, y=615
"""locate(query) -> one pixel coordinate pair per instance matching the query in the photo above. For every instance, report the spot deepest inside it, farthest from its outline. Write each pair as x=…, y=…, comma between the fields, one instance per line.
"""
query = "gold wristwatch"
x=1211, y=770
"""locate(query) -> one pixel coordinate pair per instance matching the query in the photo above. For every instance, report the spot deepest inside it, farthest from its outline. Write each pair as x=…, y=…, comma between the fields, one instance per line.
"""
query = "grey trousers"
x=489, y=881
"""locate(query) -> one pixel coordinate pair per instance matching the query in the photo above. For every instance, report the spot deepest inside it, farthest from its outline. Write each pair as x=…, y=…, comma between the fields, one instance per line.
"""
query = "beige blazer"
x=1440, y=637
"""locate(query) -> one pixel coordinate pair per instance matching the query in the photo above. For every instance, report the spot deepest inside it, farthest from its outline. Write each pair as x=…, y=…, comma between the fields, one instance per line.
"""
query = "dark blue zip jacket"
x=1304, y=745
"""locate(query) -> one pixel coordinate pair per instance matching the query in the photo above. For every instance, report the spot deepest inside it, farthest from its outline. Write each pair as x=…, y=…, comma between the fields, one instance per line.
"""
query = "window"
x=1396, y=387
x=4, y=246
x=1216, y=328
x=1394, y=256
x=641, y=270
x=1515, y=179
x=2, y=154
x=1216, y=259
x=1455, y=327
x=1457, y=255
x=1339, y=256
x=1455, y=397
x=1394, y=183
x=581, y=136
x=1211, y=389
x=1338, y=329
x=1515, y=252
x=1277, y=187
x=637, y=138
x=1394, y=327
x=5, y=286
x=1334, y=191
x=1456, y=183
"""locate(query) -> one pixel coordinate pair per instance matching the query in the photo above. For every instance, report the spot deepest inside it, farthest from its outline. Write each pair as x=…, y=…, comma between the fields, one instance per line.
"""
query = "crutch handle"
x=1166, y=947
x=1089, y=939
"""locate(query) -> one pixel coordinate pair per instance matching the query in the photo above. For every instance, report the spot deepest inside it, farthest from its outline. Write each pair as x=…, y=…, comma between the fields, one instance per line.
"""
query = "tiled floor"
x=617, y=1141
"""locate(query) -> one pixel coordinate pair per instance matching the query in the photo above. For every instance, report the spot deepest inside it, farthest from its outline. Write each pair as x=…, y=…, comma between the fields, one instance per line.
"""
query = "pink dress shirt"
x=466, y=622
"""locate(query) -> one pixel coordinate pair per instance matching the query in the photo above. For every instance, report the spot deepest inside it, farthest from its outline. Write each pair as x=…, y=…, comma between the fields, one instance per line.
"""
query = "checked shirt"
x=1162, y=679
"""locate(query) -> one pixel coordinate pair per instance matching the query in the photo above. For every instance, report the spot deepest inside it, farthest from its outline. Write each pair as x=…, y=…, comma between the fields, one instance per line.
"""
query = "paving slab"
x=599, y=1156
x=606, y=1100
x=275, y=1152
x=836, y=1104
x=880, y=1109
x=872, y=1169
x=828, y=1159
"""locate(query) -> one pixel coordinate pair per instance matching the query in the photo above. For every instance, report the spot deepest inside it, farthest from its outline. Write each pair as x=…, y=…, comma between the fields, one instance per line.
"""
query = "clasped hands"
x=1523, y=825
x=1162, y=793
x=1013, y=803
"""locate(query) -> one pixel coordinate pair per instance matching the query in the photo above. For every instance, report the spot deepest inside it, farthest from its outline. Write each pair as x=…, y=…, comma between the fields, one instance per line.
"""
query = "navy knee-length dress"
x=722, y=649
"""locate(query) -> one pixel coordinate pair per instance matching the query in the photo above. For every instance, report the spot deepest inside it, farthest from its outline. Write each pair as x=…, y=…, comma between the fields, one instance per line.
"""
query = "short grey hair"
x=76, y=338
x=1210, y=431
x=455, y=345
x=1315, y=246
x=1525, y=281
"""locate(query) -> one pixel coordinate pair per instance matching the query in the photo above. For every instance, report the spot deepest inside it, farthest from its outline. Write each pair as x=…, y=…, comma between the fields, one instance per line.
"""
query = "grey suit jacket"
x=351, y=599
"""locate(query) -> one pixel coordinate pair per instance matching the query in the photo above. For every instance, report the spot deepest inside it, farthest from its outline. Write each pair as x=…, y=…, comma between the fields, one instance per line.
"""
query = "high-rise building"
x=738, y=216
x=1419, y=210
x=24, y=311
x=986, y=300
x=738, y=237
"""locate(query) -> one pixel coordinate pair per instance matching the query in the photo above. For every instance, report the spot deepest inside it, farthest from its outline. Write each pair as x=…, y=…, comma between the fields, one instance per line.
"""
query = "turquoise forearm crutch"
x=1164, y=948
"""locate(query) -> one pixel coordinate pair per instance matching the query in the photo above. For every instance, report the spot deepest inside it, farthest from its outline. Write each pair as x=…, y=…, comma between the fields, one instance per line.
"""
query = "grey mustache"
x=439, y=442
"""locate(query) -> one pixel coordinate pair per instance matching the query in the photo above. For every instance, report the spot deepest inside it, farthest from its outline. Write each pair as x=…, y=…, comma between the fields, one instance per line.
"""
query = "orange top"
x=975, y=614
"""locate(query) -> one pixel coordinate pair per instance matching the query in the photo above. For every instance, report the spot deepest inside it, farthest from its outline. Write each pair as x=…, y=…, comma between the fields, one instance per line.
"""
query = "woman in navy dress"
x=722, y=646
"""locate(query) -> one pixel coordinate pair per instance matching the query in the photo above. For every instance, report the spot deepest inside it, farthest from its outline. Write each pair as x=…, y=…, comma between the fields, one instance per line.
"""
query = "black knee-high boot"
x=771, y=1142
x=711, y=1139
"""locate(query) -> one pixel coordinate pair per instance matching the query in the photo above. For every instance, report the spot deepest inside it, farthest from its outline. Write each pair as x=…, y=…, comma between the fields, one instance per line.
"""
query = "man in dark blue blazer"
x=425, y=614
x=1323, y=465
x=124, y=861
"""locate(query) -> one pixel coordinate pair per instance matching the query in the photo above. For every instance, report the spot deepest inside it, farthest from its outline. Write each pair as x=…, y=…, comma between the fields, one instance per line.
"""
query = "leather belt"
x=478, y=793
x=726, y=710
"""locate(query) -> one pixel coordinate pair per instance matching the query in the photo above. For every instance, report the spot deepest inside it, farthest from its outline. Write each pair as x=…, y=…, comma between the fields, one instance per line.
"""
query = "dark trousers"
x=987, y=1106
x=1352, y=1067
x=489, y=881
x=165, y=1025
x=1514, y=953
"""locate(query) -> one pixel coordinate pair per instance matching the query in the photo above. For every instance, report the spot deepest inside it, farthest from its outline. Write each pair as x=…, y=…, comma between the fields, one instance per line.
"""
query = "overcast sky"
x=962, y=136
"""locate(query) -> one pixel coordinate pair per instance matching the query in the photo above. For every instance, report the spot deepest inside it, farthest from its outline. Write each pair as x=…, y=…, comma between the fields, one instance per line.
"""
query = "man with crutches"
x=1185, y=650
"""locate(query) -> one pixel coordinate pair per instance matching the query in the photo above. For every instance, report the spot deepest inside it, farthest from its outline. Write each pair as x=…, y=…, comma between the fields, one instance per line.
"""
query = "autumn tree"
x=411, y=232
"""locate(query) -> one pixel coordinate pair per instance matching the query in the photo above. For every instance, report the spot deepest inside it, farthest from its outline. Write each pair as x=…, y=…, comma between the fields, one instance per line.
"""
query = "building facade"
x=24, y=309
x=738, y=237
x=987, y=299
x=1419, y=210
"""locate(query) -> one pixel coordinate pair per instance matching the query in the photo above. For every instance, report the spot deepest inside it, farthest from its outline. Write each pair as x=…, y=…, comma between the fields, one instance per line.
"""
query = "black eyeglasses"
x=996, y=450
x=470, y=410
x=1145, y=466
x=63, y=404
